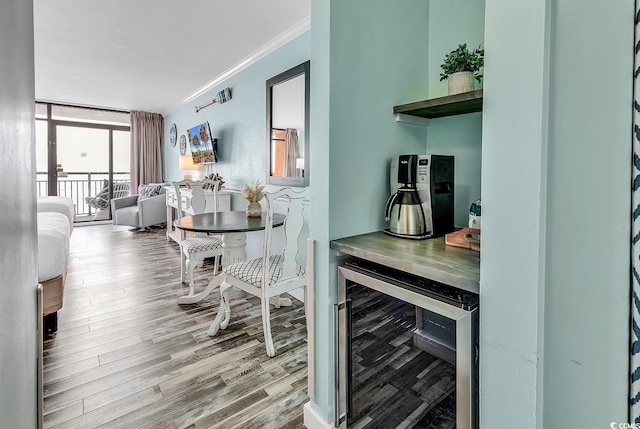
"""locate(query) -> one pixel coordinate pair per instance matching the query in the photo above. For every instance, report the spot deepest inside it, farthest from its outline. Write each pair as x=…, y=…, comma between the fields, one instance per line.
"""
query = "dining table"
x=233, y=226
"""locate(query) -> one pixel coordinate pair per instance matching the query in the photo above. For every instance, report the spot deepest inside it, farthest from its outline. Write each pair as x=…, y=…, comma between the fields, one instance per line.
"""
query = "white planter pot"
x=254, y=210
x=461, y=82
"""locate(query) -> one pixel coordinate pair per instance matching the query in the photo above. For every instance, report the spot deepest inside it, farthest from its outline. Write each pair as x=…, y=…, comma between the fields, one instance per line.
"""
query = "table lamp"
x=186, y=163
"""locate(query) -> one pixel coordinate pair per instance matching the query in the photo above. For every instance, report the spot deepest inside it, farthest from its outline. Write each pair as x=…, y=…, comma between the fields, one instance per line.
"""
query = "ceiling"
x=151, y=55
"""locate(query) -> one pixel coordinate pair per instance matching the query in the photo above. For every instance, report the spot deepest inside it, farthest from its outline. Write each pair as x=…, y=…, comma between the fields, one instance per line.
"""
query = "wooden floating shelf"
x=458, y=104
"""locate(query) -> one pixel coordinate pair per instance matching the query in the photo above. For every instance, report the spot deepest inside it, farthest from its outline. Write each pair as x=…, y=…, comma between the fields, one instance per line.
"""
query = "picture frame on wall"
x=201, y=144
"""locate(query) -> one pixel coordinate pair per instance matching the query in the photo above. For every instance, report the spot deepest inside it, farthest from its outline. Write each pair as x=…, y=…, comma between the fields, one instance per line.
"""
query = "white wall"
x=18, y=278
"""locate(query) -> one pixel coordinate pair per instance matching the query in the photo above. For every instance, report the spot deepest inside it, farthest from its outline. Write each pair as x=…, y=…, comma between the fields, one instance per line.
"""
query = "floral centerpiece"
x=214, y=176
x=253, y=193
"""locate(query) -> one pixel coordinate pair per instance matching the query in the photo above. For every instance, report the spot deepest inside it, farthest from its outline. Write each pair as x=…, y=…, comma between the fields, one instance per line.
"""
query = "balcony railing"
x=80, y=185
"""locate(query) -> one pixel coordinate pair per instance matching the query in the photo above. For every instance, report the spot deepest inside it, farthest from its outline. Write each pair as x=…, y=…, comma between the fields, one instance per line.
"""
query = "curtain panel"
x=290, y=152
x=147, y=135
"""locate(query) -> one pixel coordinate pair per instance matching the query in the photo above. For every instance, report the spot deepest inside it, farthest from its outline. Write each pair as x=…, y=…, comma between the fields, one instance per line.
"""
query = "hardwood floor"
x=127, y=356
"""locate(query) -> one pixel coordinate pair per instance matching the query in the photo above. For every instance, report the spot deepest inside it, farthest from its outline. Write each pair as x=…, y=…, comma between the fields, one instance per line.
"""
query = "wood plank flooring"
x=127, y=356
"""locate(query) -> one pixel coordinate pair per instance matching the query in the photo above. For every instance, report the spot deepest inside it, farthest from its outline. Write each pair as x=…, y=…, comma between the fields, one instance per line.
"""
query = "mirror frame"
x=302, y=69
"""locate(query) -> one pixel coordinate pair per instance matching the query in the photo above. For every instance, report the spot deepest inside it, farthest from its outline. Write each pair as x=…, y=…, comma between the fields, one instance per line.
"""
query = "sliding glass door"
x=82, y=154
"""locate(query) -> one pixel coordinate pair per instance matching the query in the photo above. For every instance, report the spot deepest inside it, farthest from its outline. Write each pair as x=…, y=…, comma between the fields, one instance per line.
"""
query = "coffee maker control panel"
x=423, y=169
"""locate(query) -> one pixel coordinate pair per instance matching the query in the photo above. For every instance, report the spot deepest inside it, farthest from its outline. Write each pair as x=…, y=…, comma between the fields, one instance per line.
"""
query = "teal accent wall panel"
x=239, y=124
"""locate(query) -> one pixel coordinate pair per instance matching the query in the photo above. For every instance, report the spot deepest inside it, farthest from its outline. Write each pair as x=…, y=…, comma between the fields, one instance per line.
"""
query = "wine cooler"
x=407, y=351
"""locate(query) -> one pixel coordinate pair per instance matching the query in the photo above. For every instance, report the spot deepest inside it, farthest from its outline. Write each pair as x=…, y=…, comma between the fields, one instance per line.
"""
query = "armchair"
x=101, y=201
x=140, y=212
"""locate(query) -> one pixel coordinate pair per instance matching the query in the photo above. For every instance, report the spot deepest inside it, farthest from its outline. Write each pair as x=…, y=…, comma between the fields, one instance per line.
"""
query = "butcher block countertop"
x=430, y=258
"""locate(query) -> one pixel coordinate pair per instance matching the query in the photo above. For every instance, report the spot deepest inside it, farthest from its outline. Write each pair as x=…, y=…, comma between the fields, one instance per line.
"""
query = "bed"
x=61, y=205
x=55, y=223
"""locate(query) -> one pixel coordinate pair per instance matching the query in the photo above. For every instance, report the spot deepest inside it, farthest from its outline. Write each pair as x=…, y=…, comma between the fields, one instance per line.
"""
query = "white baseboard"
x=312, y=420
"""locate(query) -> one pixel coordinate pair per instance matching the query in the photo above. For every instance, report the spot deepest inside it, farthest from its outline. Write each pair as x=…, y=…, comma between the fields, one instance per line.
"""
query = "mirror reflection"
x=287, y=126
x=288, y=119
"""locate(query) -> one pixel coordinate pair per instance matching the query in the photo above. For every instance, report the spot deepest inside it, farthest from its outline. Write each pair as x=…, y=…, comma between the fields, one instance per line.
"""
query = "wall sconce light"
x=186, y=163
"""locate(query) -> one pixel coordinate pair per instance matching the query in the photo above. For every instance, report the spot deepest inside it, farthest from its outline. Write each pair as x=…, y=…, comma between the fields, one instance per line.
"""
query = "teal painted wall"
x=514, y=141
x=379, y=63
x=586, y=332
x=320, y=211
x=556, y=172
x=239, y=124
x=363, y=65
x=451, y=23
x=460, y=136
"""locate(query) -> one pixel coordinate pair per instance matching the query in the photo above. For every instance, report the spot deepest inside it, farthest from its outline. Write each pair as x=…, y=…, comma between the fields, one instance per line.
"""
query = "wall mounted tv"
x=204, y=149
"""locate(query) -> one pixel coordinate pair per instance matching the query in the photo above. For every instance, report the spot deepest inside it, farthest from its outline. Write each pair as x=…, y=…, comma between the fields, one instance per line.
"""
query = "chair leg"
x=266, y=327
x=216, y=264
x=190, y=263
x=183, y=268
x=224, y=311
x=224, y=304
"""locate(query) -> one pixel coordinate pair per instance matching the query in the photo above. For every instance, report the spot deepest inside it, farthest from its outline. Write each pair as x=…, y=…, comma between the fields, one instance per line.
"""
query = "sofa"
x=145, y=209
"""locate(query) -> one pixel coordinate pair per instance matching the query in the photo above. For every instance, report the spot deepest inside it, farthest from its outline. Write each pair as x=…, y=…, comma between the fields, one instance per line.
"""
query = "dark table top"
x=221, y=222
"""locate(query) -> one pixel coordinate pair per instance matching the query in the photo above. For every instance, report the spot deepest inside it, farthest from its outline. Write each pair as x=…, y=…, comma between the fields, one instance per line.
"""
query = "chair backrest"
x=198, y=198
x=121, y=189
x=292, y=228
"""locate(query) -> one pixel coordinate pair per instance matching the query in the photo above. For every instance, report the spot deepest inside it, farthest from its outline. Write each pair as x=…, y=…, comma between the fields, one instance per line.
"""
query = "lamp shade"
x=186, y=163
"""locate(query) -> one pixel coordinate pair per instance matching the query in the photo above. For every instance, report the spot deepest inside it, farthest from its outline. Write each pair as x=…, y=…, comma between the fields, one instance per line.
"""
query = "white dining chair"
x=194, y=250
x=272, y=274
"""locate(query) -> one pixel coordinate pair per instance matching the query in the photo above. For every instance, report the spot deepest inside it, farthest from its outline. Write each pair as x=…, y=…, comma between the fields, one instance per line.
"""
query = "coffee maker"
x=421, y=202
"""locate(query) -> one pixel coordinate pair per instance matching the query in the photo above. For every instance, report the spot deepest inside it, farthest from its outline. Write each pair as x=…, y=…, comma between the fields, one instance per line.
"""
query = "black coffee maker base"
x=411, y=237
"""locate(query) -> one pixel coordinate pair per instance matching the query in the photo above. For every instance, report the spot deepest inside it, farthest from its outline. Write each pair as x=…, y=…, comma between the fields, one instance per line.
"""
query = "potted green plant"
x=460, y=67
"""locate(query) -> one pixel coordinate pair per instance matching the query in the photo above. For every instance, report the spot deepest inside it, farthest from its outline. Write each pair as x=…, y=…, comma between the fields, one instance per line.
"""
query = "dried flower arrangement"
x=253, y=193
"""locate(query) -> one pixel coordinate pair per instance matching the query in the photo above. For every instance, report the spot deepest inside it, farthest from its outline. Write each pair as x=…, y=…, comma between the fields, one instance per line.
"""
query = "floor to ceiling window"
x=82, y=153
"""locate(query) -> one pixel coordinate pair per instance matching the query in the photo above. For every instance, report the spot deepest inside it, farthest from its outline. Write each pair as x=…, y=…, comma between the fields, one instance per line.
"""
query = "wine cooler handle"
x=349, y=352
x=336, y=336
x=338, y=417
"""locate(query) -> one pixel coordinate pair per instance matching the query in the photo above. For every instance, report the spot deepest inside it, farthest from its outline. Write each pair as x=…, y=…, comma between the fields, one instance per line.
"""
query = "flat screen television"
x=204, y=149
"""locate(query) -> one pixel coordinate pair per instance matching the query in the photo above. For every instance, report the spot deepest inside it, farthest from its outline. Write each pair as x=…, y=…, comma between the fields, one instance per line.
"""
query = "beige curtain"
x=290, y=153
x=147, y=134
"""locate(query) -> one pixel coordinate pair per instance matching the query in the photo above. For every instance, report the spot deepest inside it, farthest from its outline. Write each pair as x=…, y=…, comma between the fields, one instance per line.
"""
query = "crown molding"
x=271, y=46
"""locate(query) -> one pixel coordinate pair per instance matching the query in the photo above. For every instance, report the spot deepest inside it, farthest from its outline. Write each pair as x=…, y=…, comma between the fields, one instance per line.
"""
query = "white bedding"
x=62, y=205
x=53, y=244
